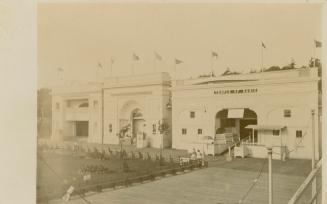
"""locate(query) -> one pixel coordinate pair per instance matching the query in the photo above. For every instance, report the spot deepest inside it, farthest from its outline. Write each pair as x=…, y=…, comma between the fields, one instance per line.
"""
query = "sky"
x=78, y=36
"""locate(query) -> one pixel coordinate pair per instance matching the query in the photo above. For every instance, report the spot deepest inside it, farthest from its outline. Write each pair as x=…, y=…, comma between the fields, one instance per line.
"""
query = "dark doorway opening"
x=82, y=128
x=235, y=125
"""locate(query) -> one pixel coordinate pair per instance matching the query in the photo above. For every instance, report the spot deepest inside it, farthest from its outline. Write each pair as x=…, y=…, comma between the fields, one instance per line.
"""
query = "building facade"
x=131, y=110
x=278, y=109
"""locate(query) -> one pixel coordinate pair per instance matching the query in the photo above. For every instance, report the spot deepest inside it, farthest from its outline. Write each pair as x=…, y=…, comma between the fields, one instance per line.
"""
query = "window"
x=299, y=134
x=199, y=131
x=68, y=104
x=184, y=131
x=192, y=114
x=110, y=127
x=275, y=132
x=287, y=113
x=84, y=105
x=57, y=106
x=154, y=129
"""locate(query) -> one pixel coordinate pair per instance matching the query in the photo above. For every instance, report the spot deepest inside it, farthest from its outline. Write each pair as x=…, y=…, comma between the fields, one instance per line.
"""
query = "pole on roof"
x=261, y=58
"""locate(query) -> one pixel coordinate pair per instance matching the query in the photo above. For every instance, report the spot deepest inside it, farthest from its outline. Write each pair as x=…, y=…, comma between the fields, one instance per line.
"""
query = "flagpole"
x=175, y=71
x=133, y=63
x=59, y=74
x=97, y=75
x=211, y=65
x=155, y=64
x=261, y=58
x=111, y=63
x=314, y=53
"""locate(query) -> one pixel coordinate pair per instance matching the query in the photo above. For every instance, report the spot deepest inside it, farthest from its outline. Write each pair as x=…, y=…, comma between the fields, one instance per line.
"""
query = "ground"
x=57, y=169
x=222, y=183
x=208, y=186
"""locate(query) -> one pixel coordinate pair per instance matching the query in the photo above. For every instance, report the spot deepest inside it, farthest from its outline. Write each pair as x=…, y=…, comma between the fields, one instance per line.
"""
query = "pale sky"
x=78, y=36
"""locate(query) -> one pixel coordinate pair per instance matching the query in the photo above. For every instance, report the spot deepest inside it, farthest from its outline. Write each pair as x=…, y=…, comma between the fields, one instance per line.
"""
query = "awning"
x=235, y=113
x=266, y=127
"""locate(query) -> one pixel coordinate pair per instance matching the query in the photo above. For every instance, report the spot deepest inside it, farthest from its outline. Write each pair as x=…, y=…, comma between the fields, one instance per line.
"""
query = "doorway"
x=234, y=121
x=138, y=123
x=82, y=128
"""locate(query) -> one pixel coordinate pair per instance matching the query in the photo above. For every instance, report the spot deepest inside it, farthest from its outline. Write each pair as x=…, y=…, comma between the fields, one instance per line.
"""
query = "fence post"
x=229, y=157
x=313, y=160
x=270, y=175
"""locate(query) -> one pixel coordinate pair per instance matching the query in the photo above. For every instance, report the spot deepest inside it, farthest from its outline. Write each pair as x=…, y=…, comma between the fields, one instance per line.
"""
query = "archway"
x=131, y=122
x=230, y=124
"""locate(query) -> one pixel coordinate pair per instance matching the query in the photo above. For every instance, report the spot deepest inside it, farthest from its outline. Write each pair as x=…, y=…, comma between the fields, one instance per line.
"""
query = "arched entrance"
x=232, y=122
x=131, y=123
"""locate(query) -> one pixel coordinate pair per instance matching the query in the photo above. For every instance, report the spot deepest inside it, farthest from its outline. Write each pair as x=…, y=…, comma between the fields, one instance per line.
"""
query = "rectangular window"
x=275, y=132
x=154, y=129
x=192, y=114
x=57, y=106
x=199, y=131
x=287, y=113
x=68, y=104
x=184, y=131
x=299, y=134
x=110, y=127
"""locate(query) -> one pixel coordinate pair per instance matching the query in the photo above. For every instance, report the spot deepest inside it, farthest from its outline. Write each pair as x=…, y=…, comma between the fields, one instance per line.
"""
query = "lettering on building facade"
x=235, y=91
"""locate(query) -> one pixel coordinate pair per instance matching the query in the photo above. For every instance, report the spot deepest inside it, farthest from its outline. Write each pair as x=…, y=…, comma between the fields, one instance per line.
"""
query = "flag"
x=177, y=61
x=214, y=54
x=318, y=43
x=158, y=57
x=60, y=69
x=100, y=65
x=263, y=45
x=135, y=57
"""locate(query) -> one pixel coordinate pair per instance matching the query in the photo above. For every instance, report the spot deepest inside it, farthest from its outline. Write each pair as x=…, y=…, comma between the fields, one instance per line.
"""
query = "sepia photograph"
x=179, y=102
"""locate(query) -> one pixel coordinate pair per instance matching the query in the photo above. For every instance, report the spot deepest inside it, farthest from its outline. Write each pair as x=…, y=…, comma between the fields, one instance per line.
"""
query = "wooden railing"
x=310, y=179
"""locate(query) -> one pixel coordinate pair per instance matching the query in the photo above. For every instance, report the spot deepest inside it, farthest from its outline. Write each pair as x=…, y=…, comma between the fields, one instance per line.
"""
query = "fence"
x=98, y=187
x=82, y=190
x=311, y=179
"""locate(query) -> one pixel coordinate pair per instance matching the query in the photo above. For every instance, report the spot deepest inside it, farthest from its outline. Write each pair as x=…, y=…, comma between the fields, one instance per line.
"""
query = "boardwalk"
x=219, y=184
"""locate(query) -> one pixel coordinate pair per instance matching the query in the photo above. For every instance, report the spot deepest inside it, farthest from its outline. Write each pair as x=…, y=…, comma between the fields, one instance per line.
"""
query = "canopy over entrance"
x=235, y=113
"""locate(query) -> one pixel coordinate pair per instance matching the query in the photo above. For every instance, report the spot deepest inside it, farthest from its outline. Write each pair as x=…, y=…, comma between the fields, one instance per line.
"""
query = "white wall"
x=273, y=96
x=150, y=99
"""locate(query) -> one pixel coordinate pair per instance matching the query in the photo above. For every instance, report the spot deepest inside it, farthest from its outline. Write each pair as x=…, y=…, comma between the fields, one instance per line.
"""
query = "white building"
x=135, y=107
x=260, y=109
